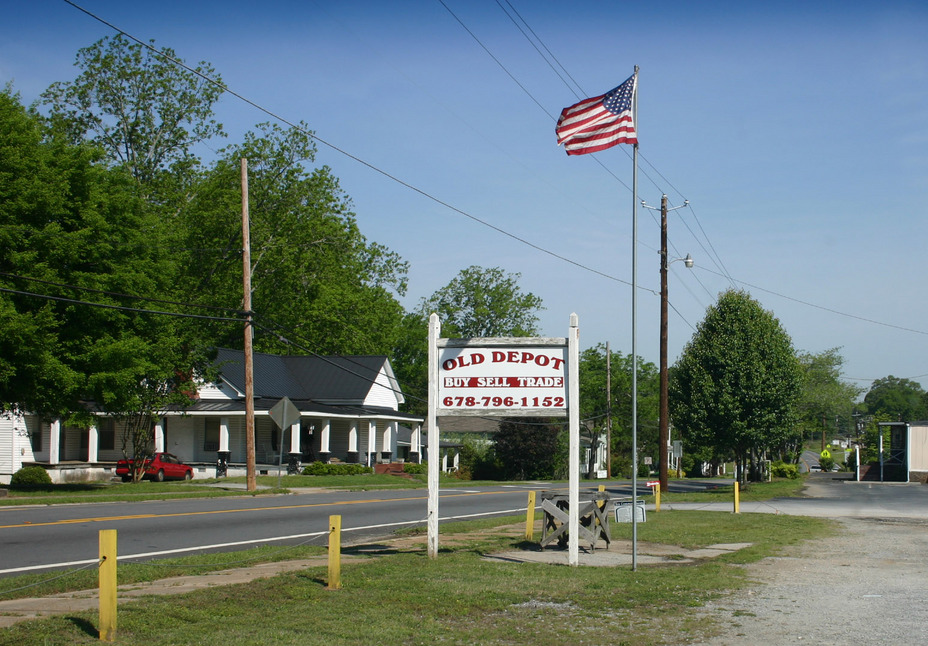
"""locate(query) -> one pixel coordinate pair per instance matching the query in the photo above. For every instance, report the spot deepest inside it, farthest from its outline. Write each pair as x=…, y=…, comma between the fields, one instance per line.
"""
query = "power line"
x=123, y=308
x=826, y=309
x=723, y=272
x=117, y=294
x=367, y=164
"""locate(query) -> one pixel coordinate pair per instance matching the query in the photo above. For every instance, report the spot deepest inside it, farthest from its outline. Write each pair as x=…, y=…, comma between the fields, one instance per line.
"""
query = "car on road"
x=163, y=466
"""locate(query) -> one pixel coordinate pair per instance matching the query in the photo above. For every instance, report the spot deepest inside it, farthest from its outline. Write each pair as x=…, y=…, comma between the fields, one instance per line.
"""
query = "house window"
x=35, y=439
x=106, y=434
x=211, y=434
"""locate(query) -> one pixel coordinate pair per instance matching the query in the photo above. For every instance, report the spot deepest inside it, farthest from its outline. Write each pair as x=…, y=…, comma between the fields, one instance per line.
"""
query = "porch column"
x=54, y=442
x=159, y=436
x=353, y=441
x=295, y=438
x=93, y=443
x=387, y=450
x=325, y=433
x=293, y=456
x=415, y=445
x=223, y=454
x=224, y=434
x=371, y=442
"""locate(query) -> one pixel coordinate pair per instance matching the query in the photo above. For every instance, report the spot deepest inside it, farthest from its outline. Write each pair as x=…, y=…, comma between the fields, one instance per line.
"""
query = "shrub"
x=780, y=469
x=416, y=469
x=850, y=464
x=339, y=469
x=826, y=463
x=33, y=477
x=463, y=473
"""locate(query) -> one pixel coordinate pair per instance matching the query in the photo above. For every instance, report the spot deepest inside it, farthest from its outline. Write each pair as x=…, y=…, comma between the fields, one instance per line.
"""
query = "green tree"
x=593, y=403
x=73, y=232
x=318, y=284
x=146, y=111
x=897, y=398
x=527, y=449
x=735, y=388
x=483, y=302
x=824, y=395
x=316, y=280
x=70, y=229
x=870, y=440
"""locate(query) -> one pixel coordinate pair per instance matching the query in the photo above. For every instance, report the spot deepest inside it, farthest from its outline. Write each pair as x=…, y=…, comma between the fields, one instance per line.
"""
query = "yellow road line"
x=106, y=519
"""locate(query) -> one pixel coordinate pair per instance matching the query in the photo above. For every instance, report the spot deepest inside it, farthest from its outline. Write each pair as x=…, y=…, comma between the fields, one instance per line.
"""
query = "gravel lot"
x=868, y=585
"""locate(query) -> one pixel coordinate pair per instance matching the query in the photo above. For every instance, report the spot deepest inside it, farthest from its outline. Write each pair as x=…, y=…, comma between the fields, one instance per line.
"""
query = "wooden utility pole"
x=664, y=412
x=249, y=335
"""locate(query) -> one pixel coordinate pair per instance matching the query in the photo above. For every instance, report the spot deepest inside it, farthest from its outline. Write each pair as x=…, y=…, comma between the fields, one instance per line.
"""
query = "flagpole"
x=635, y=334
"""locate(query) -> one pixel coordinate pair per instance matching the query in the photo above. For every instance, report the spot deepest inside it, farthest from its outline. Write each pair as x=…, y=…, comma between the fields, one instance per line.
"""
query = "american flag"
x=600, y=122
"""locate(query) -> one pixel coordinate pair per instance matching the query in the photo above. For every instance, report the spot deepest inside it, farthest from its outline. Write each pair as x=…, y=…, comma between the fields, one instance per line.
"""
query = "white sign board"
x=503, y=380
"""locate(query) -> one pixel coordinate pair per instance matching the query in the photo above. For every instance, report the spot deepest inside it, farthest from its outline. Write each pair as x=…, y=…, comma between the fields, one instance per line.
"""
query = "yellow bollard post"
x=657, y=498
x=530, y=517
x=602, y=503
x=335, y=553
x=737, y=498
x=107, y=577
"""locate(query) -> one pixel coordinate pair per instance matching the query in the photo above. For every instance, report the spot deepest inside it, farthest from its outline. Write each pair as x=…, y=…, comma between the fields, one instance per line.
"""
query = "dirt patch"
x=868, y=584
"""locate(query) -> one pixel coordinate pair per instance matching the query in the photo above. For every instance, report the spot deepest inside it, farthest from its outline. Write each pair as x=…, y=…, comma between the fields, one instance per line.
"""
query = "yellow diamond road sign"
x=826, y=454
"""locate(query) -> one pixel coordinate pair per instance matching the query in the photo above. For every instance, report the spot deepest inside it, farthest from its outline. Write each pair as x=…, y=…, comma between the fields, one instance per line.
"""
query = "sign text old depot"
x=526, y=379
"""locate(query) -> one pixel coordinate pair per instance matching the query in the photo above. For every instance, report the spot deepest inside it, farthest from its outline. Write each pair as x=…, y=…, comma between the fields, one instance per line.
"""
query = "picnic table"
x=593, y=514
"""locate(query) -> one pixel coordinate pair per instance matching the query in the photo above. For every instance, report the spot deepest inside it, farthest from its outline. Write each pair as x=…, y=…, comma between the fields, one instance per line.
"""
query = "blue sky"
x=796, y=130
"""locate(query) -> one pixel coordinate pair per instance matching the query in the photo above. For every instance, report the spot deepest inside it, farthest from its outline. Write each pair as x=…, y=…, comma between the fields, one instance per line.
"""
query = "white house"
x=348, y=412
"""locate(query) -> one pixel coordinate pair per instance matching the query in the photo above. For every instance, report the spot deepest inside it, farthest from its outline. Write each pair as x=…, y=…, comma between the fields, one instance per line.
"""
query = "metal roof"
x=337, y=378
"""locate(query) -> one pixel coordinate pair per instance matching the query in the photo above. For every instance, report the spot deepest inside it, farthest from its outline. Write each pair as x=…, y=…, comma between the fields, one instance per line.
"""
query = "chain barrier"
x=52, y=579
x=316, y=536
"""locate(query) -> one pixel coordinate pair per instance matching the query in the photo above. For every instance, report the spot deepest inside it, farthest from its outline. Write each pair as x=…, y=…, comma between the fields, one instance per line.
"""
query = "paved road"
x=46, y=537
x=836, y=495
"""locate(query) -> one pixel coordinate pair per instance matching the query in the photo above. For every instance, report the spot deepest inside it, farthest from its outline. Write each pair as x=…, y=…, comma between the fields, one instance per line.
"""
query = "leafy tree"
x=872, y=432
x=527, y=449
x=594, y=404
x=75, y=229
x=479, y=460
x=824, y=395
x=735, y=388
x=74, y=232
x=316, y=279
x=897, y=398
x=142, y=108
x=483, y=302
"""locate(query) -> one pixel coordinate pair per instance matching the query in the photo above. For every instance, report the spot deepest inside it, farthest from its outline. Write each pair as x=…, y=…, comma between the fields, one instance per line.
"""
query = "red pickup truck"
x=161, y=467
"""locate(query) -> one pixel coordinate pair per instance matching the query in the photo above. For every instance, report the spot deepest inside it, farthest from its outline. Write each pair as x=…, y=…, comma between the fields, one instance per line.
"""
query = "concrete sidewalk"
x=17, y=610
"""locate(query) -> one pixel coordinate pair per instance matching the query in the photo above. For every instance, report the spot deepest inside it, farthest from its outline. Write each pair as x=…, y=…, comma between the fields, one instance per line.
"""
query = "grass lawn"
x=458, y=598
